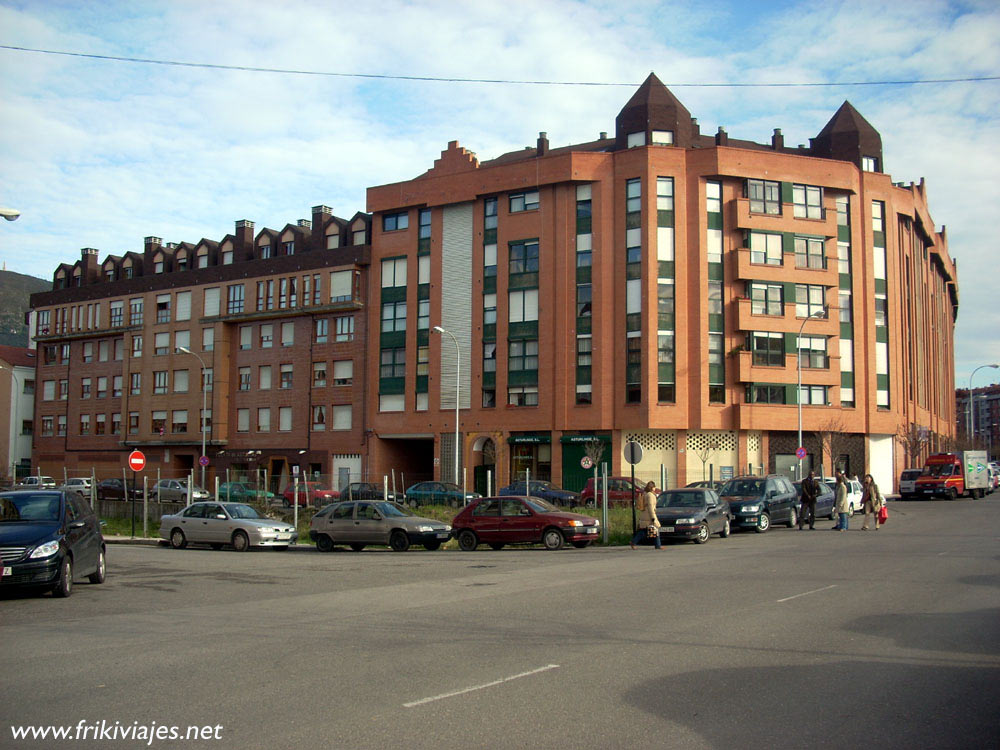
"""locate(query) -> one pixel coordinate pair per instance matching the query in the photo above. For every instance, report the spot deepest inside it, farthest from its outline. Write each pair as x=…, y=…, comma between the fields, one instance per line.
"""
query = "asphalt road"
x=784, y=640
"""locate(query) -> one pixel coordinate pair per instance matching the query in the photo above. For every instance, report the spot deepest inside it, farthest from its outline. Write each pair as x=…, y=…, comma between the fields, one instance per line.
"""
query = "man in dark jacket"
x=808, y=495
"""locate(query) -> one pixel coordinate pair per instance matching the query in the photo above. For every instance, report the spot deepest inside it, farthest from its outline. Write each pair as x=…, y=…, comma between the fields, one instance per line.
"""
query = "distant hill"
x=15, y=289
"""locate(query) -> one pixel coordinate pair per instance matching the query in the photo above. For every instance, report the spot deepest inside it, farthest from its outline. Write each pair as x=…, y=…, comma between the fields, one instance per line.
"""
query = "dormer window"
x=289, y=248
x=109, y=273
x=265, y=251
x=360, y=237
x=77, y=279
x=634, y=140
x=227, y=257
x=181, y=262
x=332, y=241
x=662, y=137
x=128, y=272
x=158, y=267
x=203, y=259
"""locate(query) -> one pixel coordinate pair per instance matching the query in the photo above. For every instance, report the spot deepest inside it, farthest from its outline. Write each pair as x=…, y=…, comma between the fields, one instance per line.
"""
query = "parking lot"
x=784, y=639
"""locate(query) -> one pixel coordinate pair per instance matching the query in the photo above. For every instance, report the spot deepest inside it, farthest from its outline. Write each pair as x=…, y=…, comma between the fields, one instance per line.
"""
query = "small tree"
x=705, y=453
x=833, y=440
x=594, y=450
x=914, y=440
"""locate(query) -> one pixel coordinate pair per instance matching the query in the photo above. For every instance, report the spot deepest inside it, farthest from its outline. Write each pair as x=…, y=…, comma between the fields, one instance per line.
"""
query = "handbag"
x=883, y=514
x=652, y=532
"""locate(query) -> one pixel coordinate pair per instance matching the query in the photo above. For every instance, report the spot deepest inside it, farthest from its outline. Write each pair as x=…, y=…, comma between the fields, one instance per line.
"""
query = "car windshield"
x=33, y=507
x=938, y=470
x=743, y=488
x=541, y=506
x=391, y=510
x=239, y=510
x=680, y=500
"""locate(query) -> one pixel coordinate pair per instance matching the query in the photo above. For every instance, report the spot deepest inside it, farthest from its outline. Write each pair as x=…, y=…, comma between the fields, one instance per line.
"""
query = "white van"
x=908, y=483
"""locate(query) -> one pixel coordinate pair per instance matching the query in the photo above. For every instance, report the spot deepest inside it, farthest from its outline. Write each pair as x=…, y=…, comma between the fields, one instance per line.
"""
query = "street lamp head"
x=10, y=214
x=437, y=329
x=184, y=350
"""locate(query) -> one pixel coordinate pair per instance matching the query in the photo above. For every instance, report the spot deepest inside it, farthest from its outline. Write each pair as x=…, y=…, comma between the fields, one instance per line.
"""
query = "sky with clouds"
x=100, y=153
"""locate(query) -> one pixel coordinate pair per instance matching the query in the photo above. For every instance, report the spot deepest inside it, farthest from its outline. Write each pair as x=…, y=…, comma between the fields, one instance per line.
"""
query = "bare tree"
x=914, y=440
x=705, y=453
x=594, y=450
x=833, y=440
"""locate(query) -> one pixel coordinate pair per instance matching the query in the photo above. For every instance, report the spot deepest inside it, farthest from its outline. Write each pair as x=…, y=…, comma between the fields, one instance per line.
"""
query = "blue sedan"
x=544, y=491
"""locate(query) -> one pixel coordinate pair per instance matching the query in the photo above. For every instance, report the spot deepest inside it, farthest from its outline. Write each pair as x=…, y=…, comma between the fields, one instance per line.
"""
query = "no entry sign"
x=136, y=460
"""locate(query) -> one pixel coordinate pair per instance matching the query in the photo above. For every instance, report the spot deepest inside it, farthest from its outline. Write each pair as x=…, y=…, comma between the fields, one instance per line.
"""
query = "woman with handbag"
x=871, y=501
x=649, y=524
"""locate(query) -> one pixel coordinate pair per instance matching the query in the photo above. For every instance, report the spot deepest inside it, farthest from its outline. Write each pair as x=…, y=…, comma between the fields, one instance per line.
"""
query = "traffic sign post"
x=136, y=462
x=203, y=461
x=633, y=454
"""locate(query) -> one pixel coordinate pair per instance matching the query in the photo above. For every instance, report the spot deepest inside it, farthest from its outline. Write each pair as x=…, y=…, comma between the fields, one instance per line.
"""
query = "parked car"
x=854, y=492
x=176, y=491
x=908, y=483
x=619, y=491
x=79, y=485
x=244, y=492
x=360, y=523
x=757, y=502
x=366, y=491
x=310, y=493
x=47, y=539
x=438, y=493
x=826, y=500
x=499, y=521
x=36, y=483
x=710, y=484
x=218, y=524
x=114, y=489
x=693, y=513
x=544, y=490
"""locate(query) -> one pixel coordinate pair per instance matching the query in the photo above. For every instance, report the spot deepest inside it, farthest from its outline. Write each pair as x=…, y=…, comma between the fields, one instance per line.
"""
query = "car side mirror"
x=77, y=525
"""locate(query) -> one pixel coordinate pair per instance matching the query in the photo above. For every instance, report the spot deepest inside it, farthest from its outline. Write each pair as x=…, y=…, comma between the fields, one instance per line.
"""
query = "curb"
x=149, y=542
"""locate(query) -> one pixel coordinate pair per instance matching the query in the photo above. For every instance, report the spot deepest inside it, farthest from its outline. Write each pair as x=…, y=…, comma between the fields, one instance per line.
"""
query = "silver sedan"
x=218, y=524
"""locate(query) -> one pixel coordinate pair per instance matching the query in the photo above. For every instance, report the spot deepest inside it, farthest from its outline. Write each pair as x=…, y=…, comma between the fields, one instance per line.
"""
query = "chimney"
x=151, y=245
x=722, y=137
x=542, y=147
x=695, y=129
x=777, y=140
x=306, y=223
x=244, y=240
x=88, y=265
x=604, y=135
x=321, y=217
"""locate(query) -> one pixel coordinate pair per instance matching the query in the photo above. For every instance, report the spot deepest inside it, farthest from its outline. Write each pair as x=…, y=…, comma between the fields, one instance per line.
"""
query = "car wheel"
x=703, y=534
x=763, y=523
x=497, y=546
x=793, y=518
x=467, y=540
x=98, y=575
x=591, y=503
x=241, y=542
x=177, y=539
x=581, y=544
x=725, y=530
x=432, y=546
x=64, y=584
x=357, y=547
x=953, y=494
x=399, y=541
x=552, y=539
x=324, y=543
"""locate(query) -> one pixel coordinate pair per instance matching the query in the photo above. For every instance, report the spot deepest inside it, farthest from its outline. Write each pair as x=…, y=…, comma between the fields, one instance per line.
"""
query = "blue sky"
x=101, y=154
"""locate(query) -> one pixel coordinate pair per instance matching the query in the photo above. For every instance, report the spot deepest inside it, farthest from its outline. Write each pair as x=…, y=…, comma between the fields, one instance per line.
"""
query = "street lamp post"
x=821, y=313
x=204, y=405
x=458, y=365
x=972, y=411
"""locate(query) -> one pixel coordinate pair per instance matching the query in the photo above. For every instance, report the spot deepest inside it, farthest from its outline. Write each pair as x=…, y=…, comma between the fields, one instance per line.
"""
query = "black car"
x=758, y=502
x=826, y=500
x=48, y=537
x=543, y=490
x=366, y=491
x=692, y=514
x=114, y=489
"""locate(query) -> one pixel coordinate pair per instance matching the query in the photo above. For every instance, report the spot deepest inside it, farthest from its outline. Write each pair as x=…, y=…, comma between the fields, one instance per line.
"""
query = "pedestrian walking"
x=807, y=496
x=647, y=517
x=871, y=501
x=842, y=507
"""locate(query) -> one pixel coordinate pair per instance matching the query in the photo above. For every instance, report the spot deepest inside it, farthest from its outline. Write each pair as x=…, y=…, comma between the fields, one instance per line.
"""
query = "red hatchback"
x=620, y=492
x=310, y=493
x=499, y=521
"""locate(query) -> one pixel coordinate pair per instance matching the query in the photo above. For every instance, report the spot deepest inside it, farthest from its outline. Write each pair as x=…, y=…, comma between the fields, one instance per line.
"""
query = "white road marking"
x=939, y=554
x=814, y=591
x=422, y=701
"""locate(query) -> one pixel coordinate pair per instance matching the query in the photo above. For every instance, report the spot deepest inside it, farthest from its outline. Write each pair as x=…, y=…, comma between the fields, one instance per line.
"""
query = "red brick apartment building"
x=275, y=326
x=650, y=285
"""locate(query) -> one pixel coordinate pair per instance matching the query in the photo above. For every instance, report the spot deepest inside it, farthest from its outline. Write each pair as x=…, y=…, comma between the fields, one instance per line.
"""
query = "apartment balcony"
x=788, y=372
x=788, y=322
x=785, y=221
x=746, y=270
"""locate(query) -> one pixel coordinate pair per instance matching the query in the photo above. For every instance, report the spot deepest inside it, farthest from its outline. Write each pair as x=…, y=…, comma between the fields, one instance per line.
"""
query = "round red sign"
x=136, y=461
